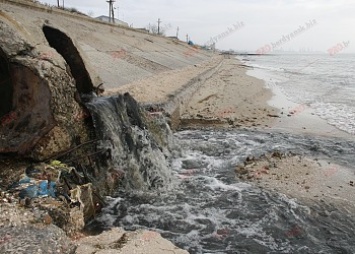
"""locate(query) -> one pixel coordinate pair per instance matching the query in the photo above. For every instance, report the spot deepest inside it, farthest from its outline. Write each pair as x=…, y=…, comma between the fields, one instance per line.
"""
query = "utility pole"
x=63, y=4
x=58, y=3
x=177, y=32
x=113, y=14
x=111, y=10
x=159, y=21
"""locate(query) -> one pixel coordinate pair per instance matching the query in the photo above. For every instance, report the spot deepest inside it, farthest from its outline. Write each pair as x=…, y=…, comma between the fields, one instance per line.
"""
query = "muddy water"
x=206, y=209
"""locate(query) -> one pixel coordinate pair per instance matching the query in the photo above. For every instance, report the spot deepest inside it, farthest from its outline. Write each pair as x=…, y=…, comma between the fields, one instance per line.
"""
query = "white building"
x=107, y=19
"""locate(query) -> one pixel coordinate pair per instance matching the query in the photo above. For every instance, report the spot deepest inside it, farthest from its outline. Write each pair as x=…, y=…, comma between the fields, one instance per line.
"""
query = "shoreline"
x=235, y=98
x=295, y=117
x=223, y=92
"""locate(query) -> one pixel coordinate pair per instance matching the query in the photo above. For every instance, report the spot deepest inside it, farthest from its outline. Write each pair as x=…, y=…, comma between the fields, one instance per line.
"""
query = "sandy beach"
x=230, y=99
x=310, y=180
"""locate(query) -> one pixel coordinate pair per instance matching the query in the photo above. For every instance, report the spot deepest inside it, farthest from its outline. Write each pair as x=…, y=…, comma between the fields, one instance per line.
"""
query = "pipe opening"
x=65, y=46
x=6, y=87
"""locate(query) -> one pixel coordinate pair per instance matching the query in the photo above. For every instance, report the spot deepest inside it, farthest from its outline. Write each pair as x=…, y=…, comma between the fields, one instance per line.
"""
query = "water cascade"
x=132, y=150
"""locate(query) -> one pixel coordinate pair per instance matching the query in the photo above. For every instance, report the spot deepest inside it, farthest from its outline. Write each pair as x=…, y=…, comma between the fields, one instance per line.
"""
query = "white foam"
x=215, y=184
x=340, y=115
x=307, y=100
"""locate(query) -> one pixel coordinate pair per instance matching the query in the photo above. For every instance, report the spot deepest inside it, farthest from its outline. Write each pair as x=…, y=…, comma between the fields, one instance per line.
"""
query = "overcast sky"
x=265, y=21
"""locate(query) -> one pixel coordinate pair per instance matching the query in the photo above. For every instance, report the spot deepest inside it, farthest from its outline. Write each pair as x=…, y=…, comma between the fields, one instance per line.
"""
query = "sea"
x=322, y=82
x=205, y=208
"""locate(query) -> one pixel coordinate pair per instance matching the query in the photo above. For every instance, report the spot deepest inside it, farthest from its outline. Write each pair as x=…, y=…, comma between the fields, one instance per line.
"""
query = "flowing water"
x=204, y=208
x=128, y=143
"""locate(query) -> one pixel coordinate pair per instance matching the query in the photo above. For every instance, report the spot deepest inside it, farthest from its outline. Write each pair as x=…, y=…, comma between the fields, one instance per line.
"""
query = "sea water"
x=323, y=82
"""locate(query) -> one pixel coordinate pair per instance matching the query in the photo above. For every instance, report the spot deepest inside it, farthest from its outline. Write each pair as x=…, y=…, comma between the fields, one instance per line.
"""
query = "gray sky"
x=265, y=21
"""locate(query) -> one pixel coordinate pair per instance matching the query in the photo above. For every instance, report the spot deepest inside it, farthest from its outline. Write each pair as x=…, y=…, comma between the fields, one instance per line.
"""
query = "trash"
x=39, y=189
x=57, y=163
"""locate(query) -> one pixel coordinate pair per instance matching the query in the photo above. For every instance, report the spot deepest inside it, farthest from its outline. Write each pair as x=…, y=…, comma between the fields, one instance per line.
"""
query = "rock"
x=55, y=141
x=250, y=164
x=117, y=240
x=30, y=231
x=71, y=220
x=84, y=194
x=34, y=239
x=47, y=219
x=241, y=170
x=249, y=160
x=271, y=115
x=277, y=154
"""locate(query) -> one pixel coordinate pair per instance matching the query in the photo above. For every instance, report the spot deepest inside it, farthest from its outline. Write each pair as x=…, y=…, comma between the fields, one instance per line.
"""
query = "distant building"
x=144, y=30
x=107, y=19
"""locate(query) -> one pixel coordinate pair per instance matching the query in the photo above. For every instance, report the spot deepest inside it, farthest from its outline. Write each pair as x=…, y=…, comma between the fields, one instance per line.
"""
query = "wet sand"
x=297, y=118
x=309, y=180
x=230, y=98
